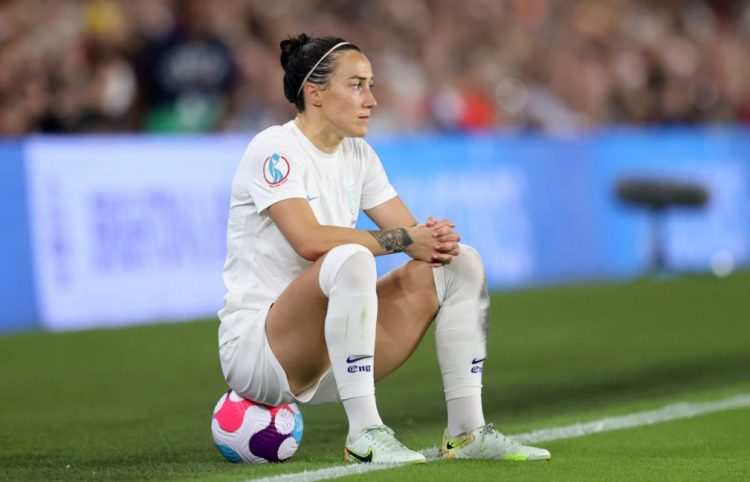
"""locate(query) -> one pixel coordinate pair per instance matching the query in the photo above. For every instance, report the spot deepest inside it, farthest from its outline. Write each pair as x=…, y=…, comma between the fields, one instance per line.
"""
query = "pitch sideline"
x=650, y=417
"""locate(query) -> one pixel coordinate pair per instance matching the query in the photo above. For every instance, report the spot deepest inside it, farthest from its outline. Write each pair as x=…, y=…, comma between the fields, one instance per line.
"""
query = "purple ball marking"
x=266, y=443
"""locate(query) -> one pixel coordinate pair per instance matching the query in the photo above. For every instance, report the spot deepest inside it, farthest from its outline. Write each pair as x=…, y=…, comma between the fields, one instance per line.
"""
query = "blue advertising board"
x=106, y=231
x=544, y=210
x=17, y=299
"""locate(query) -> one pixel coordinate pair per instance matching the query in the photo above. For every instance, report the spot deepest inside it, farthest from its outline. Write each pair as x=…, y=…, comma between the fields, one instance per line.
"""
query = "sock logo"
x=358, y=368
x=356, y=358
x=477, y=368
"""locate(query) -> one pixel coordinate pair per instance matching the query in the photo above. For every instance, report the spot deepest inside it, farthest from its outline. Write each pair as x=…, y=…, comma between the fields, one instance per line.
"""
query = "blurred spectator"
x=195, y=65
x=185, y=76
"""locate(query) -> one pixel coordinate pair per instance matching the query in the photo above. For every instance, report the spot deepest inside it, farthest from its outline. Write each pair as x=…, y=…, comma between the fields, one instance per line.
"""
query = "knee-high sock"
x=347, y=278
x=461, y=337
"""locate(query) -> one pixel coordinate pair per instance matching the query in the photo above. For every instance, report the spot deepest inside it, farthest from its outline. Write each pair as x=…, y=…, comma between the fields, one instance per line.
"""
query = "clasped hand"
x=434, y=242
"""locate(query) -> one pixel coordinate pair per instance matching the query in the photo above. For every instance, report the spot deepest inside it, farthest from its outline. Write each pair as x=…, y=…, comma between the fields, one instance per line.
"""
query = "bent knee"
x=470, y=252
x=352, y=264
x=465, y=274
x=351, y=249
x=468, y=265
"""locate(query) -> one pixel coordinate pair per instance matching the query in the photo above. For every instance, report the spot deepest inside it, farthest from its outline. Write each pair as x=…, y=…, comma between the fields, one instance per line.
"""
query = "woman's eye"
x=360, y=86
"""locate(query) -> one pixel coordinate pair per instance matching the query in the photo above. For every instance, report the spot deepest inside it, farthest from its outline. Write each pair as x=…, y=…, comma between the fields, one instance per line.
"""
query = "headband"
x=304, y=81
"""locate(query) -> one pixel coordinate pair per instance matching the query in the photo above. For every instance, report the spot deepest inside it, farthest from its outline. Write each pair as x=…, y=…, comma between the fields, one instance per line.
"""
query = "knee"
x=352, y=265
x=467, y=267
x=463, y=277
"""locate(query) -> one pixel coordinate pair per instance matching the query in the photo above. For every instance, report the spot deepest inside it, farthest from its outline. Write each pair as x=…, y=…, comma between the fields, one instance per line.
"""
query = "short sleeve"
x=376, y=188
x=272, y=171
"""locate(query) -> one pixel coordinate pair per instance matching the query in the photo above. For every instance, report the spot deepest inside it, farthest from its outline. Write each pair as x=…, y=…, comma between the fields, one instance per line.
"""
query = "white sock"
x=464, y=415
x=362, y=413
x=461, y=337
x=348, y=278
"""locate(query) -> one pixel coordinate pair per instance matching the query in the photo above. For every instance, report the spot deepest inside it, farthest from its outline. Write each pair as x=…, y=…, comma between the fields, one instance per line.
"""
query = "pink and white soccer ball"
x=245, y=431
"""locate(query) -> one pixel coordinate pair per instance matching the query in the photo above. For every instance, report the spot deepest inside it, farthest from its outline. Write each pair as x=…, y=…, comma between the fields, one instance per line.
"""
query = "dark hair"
x=299, y=54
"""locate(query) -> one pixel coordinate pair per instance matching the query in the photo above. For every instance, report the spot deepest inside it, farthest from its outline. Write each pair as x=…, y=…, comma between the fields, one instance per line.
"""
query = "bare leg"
x=295, y=330
x=407, y=303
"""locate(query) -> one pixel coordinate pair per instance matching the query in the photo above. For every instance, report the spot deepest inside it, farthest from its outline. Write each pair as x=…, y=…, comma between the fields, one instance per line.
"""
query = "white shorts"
x=252, y=370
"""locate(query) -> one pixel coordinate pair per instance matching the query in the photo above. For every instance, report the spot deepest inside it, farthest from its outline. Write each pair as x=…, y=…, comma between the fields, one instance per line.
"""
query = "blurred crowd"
x=200, y=65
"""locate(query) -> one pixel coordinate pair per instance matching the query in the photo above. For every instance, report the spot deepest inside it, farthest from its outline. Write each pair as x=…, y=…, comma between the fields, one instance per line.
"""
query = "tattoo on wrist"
x=393, y=240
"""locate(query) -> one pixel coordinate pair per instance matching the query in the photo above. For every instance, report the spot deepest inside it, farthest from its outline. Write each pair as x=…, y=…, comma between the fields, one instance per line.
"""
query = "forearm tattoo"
x=393, y=240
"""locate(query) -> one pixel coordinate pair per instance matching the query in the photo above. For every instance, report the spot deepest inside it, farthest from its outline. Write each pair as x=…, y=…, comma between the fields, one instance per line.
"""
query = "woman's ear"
x=313, y=94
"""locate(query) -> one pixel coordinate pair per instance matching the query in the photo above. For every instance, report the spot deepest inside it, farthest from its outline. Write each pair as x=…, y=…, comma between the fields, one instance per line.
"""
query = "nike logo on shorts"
x=475, y=361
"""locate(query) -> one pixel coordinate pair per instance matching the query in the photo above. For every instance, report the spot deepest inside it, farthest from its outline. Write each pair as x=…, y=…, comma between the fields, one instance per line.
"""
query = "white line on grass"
x=638, y=419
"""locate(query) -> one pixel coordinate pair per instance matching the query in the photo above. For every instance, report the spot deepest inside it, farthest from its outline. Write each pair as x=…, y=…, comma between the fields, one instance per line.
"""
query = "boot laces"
x=489, y=431
x=383, y=437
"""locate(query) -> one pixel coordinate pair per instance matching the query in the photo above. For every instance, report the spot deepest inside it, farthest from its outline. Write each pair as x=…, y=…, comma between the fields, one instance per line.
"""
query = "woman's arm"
x=395, y=213
x=311, y=240
x=391, y=214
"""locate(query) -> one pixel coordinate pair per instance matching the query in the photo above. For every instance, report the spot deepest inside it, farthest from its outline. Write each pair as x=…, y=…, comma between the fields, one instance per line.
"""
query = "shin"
x=347, y=278
x=461, y=337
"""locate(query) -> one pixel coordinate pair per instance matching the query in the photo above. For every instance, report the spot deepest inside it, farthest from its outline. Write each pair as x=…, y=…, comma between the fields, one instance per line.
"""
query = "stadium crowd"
x=198, y=65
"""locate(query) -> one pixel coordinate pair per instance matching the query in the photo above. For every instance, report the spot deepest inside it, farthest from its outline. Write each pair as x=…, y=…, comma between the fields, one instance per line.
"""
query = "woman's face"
x=347, y=100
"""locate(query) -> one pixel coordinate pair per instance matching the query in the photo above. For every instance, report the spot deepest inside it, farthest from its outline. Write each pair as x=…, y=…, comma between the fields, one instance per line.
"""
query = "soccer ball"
x=245, y=431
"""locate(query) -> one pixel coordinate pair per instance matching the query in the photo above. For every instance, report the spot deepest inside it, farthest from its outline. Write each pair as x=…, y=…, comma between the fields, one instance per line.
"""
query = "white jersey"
x=281, y=163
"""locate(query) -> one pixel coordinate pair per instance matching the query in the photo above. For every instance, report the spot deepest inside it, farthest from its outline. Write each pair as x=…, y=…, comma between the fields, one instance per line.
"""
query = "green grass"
x=135, y=403
x=704, y=448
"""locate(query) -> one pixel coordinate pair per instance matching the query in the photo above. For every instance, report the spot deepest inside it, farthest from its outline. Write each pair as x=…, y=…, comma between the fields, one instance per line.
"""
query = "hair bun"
x=291, y=46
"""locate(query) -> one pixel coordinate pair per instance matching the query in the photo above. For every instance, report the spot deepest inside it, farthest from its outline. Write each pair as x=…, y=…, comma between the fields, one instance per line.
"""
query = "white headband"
x=304, y=81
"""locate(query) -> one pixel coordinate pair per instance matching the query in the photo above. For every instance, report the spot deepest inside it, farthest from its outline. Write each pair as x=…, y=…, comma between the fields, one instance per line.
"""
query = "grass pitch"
x=135, y=403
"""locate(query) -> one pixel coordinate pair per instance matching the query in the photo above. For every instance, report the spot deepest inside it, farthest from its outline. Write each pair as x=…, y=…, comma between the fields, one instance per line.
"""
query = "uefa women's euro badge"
x=276, y=170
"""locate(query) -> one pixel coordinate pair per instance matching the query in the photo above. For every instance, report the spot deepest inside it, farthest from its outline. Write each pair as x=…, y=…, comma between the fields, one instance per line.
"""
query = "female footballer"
x=305, y=318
